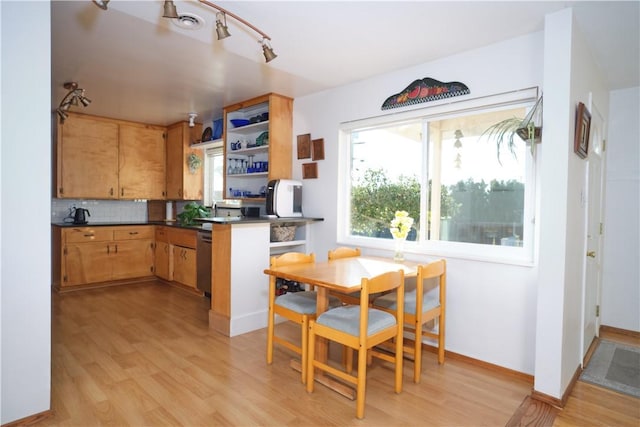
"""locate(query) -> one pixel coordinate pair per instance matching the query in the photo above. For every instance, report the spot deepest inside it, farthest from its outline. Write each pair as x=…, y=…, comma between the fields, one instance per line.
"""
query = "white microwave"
x=284, y=198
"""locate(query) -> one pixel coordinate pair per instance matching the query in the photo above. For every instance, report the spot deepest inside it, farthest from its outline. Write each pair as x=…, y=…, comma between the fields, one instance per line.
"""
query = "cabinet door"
x=184, y=266
x=183, y=184
x=163, y=261
x=87, y=158
x=141, y=162
x=132, y=258
x=86, y=263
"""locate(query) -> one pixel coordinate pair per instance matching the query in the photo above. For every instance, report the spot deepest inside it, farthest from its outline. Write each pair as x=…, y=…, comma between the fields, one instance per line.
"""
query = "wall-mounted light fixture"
x=73, y=98
x=222, y=31
x=192, y=119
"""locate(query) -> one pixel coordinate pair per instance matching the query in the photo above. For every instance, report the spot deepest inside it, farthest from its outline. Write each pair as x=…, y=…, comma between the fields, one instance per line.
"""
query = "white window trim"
x=523, y=256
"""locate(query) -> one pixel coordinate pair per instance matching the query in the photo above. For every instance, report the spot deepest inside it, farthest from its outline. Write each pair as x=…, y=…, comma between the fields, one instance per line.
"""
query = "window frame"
x=212, y=150
x=523, y=255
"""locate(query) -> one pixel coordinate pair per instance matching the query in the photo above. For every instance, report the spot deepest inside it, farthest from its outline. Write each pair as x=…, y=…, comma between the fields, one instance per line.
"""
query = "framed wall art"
x=317, y=149
x=309, y=170
x=583, y=126
x=304, y=146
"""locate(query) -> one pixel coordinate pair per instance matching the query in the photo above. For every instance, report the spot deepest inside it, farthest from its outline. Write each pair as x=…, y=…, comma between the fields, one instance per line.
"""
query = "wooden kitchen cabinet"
x=100, y=158
x=184, y=266
x=162, y=253
x=90, y=255
x=176, y=256
x=266, y=142
x=86, y=163
x=141, y=161
x=182, y=183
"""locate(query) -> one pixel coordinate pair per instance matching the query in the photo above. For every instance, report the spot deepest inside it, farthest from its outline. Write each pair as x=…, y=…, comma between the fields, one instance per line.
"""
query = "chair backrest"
x=343, y=252
x=381, y=283
x=290, y=258
x=436, y=269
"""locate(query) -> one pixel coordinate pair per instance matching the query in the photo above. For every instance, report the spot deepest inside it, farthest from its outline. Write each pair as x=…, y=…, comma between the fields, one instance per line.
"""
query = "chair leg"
x=361, y=384
x=417, y=354
x=399, y=359
x=441, y=338
x=311, y=345
x=347, y=359
x=305, y=344
x=271, y=320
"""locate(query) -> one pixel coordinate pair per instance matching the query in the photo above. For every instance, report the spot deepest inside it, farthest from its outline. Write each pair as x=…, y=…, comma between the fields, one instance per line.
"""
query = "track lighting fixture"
x=192, y=118
x=222, y=31
x=170, y=10
x=102, y=4
x=73, y=98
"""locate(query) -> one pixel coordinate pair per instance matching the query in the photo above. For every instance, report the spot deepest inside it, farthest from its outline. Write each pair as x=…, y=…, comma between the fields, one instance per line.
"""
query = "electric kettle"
x=80, y=216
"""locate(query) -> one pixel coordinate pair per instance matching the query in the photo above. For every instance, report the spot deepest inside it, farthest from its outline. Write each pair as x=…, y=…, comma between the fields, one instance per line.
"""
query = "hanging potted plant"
x=528, y=129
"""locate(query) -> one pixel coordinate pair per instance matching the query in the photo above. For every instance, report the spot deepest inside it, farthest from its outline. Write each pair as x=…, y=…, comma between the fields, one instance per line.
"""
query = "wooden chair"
x=297, y=307
x=421, y=307
x=361, y=327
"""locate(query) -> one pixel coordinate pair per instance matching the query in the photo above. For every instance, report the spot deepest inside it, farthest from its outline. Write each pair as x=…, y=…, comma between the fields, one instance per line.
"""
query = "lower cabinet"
x=88, y=255
x=175, y=253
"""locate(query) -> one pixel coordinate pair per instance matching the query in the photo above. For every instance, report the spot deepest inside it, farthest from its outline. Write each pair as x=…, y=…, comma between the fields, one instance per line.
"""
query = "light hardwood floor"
x=143, y=355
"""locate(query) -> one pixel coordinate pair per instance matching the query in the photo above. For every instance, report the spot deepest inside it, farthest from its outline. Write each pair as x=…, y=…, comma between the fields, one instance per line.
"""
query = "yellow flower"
x=401, y=225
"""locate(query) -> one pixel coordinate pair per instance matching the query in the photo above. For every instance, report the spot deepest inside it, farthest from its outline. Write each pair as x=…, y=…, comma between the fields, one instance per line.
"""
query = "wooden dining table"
x=343, y=275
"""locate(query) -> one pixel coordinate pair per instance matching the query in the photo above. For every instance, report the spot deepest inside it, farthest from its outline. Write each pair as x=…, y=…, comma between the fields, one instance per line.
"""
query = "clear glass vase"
x=398, y=249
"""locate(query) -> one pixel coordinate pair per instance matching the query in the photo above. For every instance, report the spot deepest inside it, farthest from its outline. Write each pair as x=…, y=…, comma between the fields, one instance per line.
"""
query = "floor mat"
x=614, y=366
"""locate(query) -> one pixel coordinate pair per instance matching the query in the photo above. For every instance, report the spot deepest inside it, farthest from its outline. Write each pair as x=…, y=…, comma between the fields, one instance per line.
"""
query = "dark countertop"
x=204, y=226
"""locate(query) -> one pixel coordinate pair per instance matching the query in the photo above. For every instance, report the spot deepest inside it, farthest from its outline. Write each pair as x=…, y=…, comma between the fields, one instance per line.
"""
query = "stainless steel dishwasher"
x=203, y=262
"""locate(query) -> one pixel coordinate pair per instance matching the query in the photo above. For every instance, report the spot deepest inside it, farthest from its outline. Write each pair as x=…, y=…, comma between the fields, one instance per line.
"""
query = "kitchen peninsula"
x=91, y=255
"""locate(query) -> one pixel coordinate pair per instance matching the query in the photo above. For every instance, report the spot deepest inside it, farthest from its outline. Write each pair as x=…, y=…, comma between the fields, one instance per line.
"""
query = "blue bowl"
x=239, y=122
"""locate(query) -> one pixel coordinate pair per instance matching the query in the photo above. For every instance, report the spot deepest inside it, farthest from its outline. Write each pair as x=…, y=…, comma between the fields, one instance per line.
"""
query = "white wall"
x=25, y=232
x=490, y=306
x=621, y=270
x=570, y=76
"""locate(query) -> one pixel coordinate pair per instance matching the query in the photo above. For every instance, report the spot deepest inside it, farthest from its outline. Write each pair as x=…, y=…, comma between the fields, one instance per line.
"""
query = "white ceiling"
x=136, y=65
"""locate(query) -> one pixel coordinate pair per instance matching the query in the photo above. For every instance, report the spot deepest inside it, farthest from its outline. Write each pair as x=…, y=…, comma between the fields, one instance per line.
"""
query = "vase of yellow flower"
x=400, y=227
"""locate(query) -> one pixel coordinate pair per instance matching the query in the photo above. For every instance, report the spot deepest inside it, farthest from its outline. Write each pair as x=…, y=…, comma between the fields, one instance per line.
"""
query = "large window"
x=467, y=194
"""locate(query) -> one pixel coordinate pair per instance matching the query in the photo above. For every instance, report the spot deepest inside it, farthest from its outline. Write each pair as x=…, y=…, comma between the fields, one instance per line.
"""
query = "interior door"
x=593, y=265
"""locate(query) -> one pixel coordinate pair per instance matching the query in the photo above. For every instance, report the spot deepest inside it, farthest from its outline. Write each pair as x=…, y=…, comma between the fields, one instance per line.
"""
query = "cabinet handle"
x=116, y=248
x=122, y=191
x=133, y=233
x=111, y=191
x=89, y=235
x=108, y=249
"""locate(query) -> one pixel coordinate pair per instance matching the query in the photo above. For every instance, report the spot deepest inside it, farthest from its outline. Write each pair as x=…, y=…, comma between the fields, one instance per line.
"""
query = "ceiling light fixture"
x=73, y=98
x=192, y=119
x=169, y=11
x=221, y=29
x=102, y=4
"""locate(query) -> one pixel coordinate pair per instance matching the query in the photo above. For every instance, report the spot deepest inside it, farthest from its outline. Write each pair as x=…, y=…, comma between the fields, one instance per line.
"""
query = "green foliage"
x=375, y=198
x=192, y=210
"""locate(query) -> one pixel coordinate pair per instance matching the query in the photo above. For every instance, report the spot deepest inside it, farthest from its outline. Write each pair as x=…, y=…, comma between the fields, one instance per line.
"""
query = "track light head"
x=170, y=10
x=221, y=29
x=267, y=50
x=102, y=4
x=192, y=118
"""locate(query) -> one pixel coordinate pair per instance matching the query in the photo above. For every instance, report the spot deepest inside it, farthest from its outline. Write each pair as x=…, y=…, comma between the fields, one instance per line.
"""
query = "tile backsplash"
x=100, y=210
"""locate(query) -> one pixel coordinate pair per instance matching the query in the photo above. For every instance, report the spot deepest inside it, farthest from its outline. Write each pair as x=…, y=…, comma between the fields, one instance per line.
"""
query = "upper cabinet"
x=99, y=158
x=87, y=158
x=183, y=182
x=141, y=162
x=257, y=144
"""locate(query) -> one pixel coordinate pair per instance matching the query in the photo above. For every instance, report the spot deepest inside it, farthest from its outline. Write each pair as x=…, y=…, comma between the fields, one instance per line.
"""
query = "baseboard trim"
x=612, y=329
x=31, y=419
x=558, y=403
x=483, y=364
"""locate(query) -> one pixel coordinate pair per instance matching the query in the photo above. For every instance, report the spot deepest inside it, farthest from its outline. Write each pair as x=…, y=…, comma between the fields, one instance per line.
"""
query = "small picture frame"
x=583, y=126
x=304, y=146
x=317, y=149
x=309, y=170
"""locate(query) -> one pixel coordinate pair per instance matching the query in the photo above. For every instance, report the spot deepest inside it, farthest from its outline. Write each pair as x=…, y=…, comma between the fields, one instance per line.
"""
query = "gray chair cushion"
x=303, y=302
x=430, y=299
x=347, y=319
